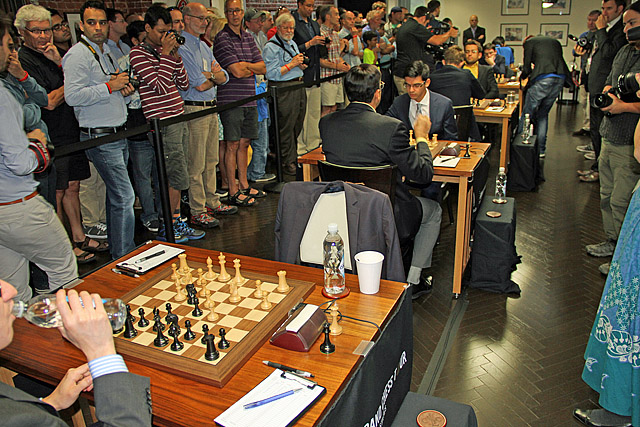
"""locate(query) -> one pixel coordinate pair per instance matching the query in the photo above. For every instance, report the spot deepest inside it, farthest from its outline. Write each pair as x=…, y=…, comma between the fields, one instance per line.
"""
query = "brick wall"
x=73, y=6
x=272, y=5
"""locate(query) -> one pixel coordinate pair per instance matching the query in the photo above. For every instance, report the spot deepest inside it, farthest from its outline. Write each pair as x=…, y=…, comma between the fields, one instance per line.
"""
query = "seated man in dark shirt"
x=496, y=61
x=453, y=82
x=375, y=140
x=484, y=73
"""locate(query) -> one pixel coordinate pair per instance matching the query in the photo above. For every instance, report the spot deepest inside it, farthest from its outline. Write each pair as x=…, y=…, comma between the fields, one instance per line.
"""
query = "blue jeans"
x=111, y=162
x=260, y=149
x=145, y=177
x=537, y=102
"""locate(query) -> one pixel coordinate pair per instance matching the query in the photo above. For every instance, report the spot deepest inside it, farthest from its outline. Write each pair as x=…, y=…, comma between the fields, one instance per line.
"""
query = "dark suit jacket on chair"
x=456, y=84
x=122, y=400
x=468, y=35
x=370, y=220
x=443, y=122
x=488, y=81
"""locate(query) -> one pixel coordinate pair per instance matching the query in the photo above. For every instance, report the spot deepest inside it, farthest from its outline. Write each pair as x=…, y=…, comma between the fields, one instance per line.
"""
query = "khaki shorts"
x=175, y=140
x=332, y=93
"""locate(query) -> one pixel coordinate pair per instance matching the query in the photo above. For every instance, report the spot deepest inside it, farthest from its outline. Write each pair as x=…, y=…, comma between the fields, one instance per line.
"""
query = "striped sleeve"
x=105, y=365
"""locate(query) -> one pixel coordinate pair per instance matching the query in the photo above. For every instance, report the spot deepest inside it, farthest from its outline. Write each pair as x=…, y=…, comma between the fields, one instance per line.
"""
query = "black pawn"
x=191, y=293
x=197, y=312
x=168, y=317
x=158, y=325
x=223, y=341
x=173, y=330
x=211, y=353
x=143, y=322
x=189, y=335
x=205, y=331
x=327, y=347
x=160, y=340
x=176, y=345
x=129, y=330
x=133, y=318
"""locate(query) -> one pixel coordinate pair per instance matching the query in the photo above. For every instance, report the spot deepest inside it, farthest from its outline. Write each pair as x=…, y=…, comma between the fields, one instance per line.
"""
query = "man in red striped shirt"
x=160, y=70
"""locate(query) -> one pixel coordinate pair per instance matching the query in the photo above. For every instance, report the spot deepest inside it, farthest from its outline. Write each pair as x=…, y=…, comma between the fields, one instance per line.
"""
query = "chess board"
x=247, y=325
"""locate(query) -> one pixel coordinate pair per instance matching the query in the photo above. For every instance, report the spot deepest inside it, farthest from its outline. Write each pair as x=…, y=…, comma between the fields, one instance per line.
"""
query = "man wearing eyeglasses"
x=61, y=32
x=376, y=140
x=95, y=87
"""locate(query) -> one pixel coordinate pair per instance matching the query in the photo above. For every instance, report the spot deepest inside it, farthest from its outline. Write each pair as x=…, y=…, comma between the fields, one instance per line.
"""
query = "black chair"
x=464, y=121
x=381, y=178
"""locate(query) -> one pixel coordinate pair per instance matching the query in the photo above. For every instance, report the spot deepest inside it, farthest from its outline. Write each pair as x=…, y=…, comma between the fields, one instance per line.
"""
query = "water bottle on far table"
x=333, y=256
x=501, y=187
x=42, y=311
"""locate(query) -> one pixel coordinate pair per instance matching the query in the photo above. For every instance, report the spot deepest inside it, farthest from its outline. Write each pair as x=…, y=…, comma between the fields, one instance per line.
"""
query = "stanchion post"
x=163, y=183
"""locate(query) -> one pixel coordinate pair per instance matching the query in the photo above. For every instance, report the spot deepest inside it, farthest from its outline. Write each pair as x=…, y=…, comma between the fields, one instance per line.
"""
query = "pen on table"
x=149, y=257
x=286, y=368
x=272, y=398
x=446, y=160
x=125, y=272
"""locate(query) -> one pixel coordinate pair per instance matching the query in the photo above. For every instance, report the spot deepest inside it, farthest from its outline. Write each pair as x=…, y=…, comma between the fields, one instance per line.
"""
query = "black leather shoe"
x=423, y=288
x=601, y=418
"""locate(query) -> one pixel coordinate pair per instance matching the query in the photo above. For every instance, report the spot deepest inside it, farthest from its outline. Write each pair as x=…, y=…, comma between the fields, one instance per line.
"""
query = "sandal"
x=247, y=201
x=257, y=195
x=85, y=257
x=103, y=246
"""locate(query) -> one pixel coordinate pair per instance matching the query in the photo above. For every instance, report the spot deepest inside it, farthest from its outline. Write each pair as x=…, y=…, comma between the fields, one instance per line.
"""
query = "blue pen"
x=271, y=399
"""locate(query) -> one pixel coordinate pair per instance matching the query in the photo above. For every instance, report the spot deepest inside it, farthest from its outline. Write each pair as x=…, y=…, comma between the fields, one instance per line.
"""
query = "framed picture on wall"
x=515, y=7
x=74, y=26
x=555, y=31
x=514, y=34
x=560, y=7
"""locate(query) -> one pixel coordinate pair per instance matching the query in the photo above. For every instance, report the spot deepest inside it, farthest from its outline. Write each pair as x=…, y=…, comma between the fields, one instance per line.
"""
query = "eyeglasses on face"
x=39, y=31
x=414, y=86
x=233, y=11
x=60, y=26
x=199, y=18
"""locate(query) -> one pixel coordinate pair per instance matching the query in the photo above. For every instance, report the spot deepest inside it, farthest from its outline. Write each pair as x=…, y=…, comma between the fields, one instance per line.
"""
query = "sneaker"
x=204, y=220
x=585, y=148
x=222, y=209
x=188, y=232
x=179, y=238
x=583, y=172
x=590, y=155
x=604, y=268
x=601, y=249
x=265, y=178
x=221, y=192
x=152, y=225
x=592, y=177
x=423, y=288
x=543, y=155
x=98, y=231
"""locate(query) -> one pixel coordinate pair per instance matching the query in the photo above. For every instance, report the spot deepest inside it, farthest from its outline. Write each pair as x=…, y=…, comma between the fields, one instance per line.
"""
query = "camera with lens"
x=306, y=60
x=179, y=39
x=327, y=40
x=583, y=42
x=133, y=81
x=625, y=88
x=438, y=50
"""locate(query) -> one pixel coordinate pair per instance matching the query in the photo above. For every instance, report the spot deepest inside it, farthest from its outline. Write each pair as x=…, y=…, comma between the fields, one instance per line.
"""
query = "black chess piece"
x=177, y=345
x=191, y=293
x=189, y=335
x=173, y=330
x=156, y=311
x=197, y=312
x=466, y=153
x=143, y=322
x=223, y=341
x=157, y=323
x=160, y=340
x=327, y=347
x=205, y=331
x=211, y=353
x=129, y=330
x=167, y=318
x=133, y=318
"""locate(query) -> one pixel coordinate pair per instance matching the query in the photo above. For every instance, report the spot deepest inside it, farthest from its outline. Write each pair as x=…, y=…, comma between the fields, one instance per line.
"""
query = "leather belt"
x=103, y=131
x=201, y=103
x=24, y=199
x=285, y=82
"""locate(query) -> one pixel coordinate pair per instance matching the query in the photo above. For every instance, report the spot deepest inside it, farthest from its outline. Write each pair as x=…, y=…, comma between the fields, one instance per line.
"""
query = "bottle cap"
x=332, y=228
x=501, y=169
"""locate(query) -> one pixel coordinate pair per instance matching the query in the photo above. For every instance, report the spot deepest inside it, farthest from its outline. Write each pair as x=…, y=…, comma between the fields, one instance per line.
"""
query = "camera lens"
x=627, y=83
x=601, y=100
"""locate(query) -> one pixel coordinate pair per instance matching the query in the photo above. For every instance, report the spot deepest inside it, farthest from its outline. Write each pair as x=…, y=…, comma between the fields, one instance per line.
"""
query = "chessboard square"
x=144, y=338
x=229, y=321
x=236, y=335
x=220, y=296
x=276, y=298
x=140, y=300
x=165, y=295
x=179, y=352
x=256, y=315
x=215, y=286
x=163, y=284
x=240, y=312
x=156, y=303
x=268, y=286
x=192, y=352
x=249, y=303
x=245, y=291
x=153, y=291
x=182, y=310
x=246, y=325
x=224, y=308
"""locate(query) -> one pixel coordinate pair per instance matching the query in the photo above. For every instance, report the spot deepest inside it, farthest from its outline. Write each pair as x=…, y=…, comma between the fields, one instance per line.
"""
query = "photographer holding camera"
x=412, y=39
x=619, y=172
x=285, y=65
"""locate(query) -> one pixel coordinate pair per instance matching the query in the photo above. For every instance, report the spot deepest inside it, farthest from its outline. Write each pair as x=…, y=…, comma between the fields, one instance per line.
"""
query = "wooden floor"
x=517, y=361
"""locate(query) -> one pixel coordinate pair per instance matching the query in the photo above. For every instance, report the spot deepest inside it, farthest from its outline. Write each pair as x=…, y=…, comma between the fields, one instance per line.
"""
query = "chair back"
x=464, y=121
x=381, y=178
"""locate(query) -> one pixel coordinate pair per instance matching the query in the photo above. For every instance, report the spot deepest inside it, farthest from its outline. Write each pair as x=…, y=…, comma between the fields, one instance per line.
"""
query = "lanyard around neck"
x=95, y=55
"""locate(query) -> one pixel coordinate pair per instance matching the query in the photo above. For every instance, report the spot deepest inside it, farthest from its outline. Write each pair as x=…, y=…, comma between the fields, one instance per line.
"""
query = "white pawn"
x=180, y=296
x=266, y=305
x=283, y=286
x=213, y=316
x=210, y=274
x=239, y=280
x=223, y=276
x=234, y=298
x=258, y=292
x=335, y=328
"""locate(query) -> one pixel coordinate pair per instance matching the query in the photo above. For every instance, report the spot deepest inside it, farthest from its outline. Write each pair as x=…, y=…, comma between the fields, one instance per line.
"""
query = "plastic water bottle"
x=501, y=187
x=525, y=128
x=42, y=311
x=333, y=256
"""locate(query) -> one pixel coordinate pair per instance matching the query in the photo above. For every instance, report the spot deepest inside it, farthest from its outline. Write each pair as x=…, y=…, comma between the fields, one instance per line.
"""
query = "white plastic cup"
x=369, y=266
